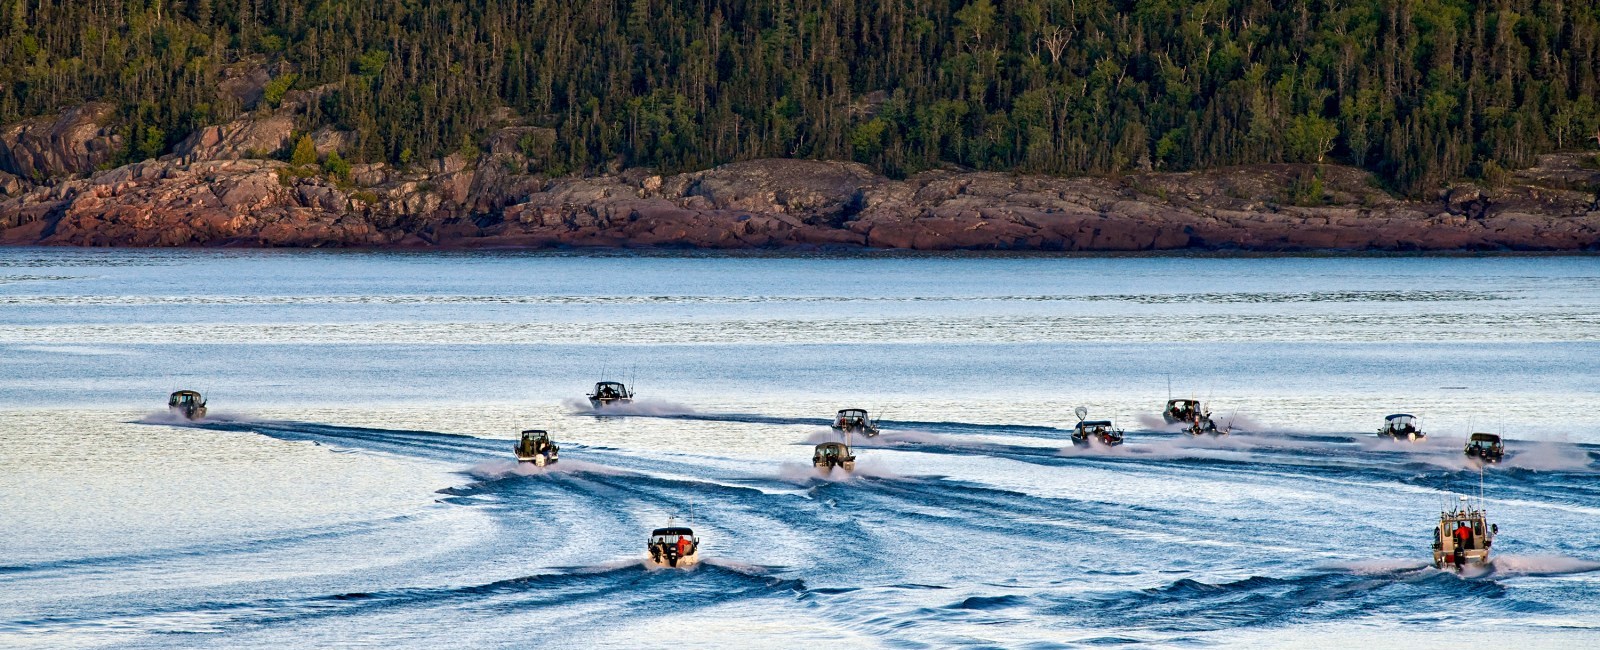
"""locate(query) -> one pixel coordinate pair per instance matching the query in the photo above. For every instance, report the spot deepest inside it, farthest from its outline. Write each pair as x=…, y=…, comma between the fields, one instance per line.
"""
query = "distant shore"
x=784, y=204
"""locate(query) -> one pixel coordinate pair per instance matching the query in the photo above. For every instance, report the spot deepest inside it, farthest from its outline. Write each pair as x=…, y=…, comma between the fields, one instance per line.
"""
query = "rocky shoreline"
x=220, y=188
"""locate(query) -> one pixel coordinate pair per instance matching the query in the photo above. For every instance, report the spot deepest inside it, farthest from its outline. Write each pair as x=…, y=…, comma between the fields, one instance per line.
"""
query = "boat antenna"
x=1169, y=386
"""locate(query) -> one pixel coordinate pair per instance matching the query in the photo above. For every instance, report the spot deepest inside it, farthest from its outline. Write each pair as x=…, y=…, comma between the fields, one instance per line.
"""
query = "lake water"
x=353, y=484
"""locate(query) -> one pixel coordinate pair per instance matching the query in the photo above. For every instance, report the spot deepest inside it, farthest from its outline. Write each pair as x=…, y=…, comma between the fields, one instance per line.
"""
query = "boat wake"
x=639, y=407
x=805, y=474
x=495, y=470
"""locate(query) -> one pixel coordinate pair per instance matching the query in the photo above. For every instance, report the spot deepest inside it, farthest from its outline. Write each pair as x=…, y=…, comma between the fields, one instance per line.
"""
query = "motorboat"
x=1486, y=447
x=829, y=455
x=1203, y=425
x=1088, y=431
x=535, y=447
x=1463, y=537
x=1102, y=431
x=607, y=393
x=1182, y=410
x=1401, y=426
x=187, y=403
x=674, y=547
x=855, y=421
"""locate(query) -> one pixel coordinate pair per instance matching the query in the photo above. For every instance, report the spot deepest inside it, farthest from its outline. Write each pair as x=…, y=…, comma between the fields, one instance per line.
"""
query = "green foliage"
x=305, y=152
x=976, y=21
x=1421, y=92
x=371, y=64
x=149, y=142
x=277, y=88
x=335, y=165
x=867, y=139
x=270, y=43
x=1310, y=138
x=1306, y=189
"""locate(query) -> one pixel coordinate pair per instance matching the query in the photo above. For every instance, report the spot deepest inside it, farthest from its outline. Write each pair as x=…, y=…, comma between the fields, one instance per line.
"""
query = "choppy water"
x=354, y=484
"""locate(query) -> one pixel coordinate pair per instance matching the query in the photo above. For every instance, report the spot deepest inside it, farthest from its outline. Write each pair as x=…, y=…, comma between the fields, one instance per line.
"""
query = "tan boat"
x=829, y=455
x=1463, y=537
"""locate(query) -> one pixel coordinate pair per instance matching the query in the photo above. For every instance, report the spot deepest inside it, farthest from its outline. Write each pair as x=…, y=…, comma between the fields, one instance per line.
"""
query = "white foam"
x=1535, y=565
x=498, y=469
x=1378, y=566
x=1550, y=457
x=640, y=407
x=803, y=474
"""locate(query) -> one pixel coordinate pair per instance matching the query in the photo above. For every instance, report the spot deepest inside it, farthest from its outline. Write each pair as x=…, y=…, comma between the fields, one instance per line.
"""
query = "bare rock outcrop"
x=495, y=201
x=74, y=142
x=246, y=137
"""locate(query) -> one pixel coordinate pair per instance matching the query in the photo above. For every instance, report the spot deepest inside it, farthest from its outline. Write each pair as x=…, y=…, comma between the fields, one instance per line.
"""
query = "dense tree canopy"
x=1420, y=91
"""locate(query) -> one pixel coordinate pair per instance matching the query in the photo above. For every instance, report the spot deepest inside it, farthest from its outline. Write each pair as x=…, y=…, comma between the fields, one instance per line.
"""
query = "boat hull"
x=1471, y=558
x=603, y=402
x=870, y=432
x=683, y=562
x=196, y=413
x=1087, y=442
x=539, y=460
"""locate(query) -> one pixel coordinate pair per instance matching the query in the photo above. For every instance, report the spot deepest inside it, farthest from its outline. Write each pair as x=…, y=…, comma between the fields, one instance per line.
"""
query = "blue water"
x=354, y=485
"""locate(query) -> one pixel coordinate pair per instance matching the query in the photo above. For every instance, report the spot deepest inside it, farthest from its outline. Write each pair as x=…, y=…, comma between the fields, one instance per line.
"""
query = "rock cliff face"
x=214, y=194
x=73, y=142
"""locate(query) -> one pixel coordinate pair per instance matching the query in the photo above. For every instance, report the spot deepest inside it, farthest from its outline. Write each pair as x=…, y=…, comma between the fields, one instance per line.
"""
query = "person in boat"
x=1463, y=536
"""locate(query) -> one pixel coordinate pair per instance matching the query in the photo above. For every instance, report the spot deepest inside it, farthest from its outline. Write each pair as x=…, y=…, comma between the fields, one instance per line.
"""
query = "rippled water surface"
x=353, y=484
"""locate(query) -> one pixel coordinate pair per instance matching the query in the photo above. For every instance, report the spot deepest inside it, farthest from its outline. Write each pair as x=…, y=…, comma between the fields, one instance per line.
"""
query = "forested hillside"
x=1419, y=91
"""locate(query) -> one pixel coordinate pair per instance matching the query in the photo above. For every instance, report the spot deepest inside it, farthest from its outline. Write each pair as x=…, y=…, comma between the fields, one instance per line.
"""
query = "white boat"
x=855, y=421
x=1401, y=426
x=535, y=447
x=674, y=547
x=1087, y=431
x=1181, y=410
x=607, y=393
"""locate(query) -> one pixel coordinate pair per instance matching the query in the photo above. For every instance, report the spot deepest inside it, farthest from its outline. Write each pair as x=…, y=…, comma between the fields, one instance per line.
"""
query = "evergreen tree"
x=1421, y=92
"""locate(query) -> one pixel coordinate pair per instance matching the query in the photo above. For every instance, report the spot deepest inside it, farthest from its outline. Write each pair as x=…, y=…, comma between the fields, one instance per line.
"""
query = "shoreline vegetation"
x=1095, y=125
